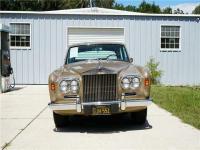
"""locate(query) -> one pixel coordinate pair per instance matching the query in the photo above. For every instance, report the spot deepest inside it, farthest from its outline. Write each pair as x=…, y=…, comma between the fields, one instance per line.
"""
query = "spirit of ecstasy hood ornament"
x=100, y=66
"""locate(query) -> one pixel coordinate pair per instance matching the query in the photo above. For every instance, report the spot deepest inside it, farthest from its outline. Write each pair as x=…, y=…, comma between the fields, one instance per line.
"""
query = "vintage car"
x=99, y=79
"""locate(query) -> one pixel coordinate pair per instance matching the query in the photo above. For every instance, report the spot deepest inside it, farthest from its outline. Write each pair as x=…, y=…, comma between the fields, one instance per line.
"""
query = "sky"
x=186, y=5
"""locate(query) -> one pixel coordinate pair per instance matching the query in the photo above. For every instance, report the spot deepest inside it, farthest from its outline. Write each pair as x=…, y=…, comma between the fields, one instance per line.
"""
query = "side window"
x=20, y=35
x=170, y=37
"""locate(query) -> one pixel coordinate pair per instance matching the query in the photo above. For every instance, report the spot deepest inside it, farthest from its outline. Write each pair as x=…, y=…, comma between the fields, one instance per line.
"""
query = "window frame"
x=21, y=47
x=180, y=39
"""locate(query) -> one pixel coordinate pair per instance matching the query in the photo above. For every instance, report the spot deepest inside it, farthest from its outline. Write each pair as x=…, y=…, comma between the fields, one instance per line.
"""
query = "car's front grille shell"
x=99, y=88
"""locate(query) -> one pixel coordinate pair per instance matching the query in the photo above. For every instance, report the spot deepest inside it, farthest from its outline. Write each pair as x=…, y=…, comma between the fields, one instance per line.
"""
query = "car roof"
x=91, y=43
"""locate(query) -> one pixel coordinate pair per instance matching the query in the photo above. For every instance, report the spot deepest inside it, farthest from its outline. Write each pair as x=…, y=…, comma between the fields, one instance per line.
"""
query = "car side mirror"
x=131, y=60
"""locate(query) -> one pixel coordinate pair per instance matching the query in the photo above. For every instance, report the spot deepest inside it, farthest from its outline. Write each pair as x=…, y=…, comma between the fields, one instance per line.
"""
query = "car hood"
x=99, y=67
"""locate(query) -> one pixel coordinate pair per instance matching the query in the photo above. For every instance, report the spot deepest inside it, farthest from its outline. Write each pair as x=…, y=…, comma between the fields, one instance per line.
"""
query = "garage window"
x=20, y=35
x=170, y=37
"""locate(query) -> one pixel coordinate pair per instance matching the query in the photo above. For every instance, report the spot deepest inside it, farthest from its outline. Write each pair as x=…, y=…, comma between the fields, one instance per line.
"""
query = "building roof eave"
x=96, y=11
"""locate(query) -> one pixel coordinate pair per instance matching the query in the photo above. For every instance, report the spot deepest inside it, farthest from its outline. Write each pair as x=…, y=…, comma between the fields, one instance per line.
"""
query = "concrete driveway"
x=27, y=123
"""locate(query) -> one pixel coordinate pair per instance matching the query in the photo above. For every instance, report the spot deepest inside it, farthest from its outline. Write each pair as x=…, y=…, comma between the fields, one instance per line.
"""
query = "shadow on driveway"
x=102, y=124
x=14, y=89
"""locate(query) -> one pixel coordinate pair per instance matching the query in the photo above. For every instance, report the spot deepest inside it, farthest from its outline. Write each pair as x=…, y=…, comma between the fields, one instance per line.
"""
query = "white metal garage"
x=81, y=35
x=39, y=40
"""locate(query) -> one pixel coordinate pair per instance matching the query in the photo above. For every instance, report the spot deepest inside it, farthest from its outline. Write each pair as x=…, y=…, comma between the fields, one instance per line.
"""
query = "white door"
x=81, y=35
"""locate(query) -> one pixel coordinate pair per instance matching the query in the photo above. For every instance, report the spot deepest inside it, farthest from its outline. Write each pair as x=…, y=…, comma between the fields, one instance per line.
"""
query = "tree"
x=19, y=5
x=104, y=3
x=167, y=10
x=196, y=10
x=70, y=4
x=127, y=8
x=47, y=5
x=148, y=8
x=178, y=11
x=119, y=6
x=131, y=8
x=50, y=5
x=144, y=7
x=155, y=8
x=5, y=5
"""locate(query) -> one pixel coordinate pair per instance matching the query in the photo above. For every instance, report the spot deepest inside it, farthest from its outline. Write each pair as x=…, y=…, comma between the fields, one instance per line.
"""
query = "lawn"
x=183, y=102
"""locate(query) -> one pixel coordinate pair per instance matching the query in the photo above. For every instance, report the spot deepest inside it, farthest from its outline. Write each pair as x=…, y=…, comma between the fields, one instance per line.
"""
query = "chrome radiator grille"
x=98, y=88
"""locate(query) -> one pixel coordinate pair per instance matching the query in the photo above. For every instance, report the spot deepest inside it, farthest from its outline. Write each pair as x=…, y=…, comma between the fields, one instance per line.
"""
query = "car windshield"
x=115, y=52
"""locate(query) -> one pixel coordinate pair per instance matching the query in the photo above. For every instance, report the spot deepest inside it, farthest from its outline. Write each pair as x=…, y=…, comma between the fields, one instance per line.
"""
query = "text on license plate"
x=101, y=110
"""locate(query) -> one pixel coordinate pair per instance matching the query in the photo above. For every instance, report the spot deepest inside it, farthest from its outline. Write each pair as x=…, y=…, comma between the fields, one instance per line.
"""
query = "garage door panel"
x=81, y=35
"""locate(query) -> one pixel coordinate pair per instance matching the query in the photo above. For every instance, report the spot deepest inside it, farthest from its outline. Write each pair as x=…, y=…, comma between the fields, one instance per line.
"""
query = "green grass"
x=183, y=102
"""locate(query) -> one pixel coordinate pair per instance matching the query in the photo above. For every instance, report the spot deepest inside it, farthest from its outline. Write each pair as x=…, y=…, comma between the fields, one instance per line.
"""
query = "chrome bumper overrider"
x=123, y=104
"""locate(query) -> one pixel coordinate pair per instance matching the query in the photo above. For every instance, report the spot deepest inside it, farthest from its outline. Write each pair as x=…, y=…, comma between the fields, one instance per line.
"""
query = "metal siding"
x=42, y=51
x=142, y=38
x=36, y=50
x=197, y=53
x=196, y=48
x=132, y=37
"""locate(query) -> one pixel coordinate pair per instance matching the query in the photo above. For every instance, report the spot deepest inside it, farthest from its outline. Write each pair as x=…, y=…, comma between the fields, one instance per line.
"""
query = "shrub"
x=155, y=73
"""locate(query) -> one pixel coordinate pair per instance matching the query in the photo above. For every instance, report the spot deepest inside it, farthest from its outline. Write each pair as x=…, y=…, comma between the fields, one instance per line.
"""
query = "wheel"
x=59, y=120
x=139, y=117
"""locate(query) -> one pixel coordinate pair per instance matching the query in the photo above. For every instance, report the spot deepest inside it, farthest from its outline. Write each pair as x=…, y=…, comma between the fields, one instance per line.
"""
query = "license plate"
x=101, y=110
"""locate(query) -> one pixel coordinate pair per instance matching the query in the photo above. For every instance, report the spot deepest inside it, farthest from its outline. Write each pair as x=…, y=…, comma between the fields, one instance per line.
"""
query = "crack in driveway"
x=21, y=130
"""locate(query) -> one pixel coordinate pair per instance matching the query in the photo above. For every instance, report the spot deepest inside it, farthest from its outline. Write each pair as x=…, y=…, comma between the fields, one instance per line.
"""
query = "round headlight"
x=74, y=86
x=64, y=86
x=135, y=83
x=125, y=83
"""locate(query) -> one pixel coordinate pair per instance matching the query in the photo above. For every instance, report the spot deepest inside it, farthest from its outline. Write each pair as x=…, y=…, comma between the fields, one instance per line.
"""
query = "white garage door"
x=81, y=35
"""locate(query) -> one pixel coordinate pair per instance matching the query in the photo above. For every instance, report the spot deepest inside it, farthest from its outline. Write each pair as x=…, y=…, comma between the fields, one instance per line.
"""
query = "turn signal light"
x=146, y=82
x=53, y=86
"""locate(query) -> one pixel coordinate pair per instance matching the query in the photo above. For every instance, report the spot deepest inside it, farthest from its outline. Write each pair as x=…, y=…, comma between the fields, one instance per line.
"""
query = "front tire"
x=139, y=117
x=60, y=121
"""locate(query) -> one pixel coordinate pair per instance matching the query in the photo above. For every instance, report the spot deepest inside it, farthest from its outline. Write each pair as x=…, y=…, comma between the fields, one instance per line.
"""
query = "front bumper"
x=123, y=104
